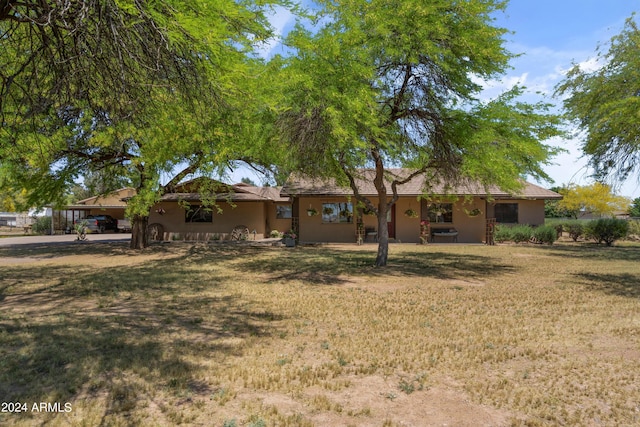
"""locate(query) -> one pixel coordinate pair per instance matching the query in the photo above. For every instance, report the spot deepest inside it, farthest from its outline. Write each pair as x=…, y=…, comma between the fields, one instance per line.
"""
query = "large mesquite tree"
x=380, y=84
x=124, y=87
x=604, y=103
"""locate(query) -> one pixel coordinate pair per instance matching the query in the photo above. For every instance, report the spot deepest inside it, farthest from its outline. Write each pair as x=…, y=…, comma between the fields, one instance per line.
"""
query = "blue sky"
x=551, y=36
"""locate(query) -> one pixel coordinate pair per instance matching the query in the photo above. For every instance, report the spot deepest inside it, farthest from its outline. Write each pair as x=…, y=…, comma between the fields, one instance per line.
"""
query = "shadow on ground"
x=76, y=333
x=325, y=266
x=625, y=284
x=594, y=251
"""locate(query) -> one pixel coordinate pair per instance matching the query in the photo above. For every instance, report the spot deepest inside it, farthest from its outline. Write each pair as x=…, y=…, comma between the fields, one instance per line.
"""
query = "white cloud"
x=280, y=18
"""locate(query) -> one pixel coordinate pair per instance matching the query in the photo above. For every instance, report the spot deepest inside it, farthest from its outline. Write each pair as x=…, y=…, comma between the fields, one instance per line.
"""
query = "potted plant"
x=312, y=212
x=474, y=212
x=411, y=213
x=289, y=239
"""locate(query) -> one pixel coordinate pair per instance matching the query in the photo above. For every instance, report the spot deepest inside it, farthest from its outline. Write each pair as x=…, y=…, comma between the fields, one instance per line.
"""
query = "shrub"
x=545, y=234
x=607, y=230
x=42, y=225
x=276, y=234
x=575, y=229
x=502, y=234
x=515, y=233
x=634, y=227
x=521, y=233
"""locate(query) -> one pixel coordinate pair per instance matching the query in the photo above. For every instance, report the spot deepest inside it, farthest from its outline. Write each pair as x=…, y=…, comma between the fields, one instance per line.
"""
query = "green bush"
x=42, y=225
x=634, y=227
x=521, y=233
x=514, y=233
x=502, y=234
x=575, y=229
x=607, y=230
x=545, y=234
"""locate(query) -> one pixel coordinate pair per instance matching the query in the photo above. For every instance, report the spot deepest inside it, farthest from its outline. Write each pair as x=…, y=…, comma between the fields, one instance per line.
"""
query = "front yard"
x=247, y=336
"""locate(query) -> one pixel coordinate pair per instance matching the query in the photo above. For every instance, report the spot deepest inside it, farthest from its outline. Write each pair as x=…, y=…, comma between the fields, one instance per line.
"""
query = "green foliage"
x=596, y=198
x=634, y=227
x=42, y=225
x=521, y=233
x=545, y=234
x=634, y=209
x=607, y=230
x=372, y=88
x=174, y=104
x=575, y=229
x=605, y=104
x=513, y=233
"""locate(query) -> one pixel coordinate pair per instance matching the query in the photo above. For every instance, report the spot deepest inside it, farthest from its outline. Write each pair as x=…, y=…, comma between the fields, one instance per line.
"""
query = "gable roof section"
x=189, y=191
x=298, y=185
x=113, y=199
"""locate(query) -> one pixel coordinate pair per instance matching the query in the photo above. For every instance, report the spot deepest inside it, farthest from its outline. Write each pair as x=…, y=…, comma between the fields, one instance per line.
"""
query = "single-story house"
x=325, y=212
x=204, y=209
x=113, y=204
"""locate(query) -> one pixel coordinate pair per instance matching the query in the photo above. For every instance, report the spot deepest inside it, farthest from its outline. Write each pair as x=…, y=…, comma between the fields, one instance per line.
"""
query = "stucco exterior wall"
x=250, y=214
x=274, y=223
x=312, y=229
x=529, y=211
x=471, y=229
x=407, y=230
x=113, y=199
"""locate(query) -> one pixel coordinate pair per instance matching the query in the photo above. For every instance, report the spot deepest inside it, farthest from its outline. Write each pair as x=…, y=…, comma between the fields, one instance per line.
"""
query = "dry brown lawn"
x=221, y=335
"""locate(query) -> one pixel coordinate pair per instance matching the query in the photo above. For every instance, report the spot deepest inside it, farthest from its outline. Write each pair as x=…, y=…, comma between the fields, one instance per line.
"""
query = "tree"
x=552, y=208
x=605, y=103
x=122, y=88
x=247, y=180
x=597, y=199
x=387, y=84
x=634, y=209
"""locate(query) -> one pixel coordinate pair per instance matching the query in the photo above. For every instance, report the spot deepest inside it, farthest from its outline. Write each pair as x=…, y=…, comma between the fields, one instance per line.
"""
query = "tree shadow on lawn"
x=323, y=266
x=73, y=248
x=81, y=336
x=626, y=285
x=594, y=251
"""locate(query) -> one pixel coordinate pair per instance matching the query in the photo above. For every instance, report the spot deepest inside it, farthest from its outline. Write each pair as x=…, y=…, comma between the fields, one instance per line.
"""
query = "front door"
x=391, y=221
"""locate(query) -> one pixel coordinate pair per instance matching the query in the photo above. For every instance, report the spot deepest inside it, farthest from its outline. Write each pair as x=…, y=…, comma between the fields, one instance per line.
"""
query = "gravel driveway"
x=63, y=238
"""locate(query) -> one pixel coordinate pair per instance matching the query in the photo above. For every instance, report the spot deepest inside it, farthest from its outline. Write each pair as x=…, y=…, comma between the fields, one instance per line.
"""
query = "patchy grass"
x=228, y=335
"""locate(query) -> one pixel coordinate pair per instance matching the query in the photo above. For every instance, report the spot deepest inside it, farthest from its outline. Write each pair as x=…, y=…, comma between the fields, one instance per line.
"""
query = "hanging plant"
x=411, y=213
x=474, y=212
x=312, y=212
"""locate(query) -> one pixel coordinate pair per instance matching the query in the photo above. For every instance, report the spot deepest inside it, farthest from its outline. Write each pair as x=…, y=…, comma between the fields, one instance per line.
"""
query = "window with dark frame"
x=283, y=212
x=198, y=213
x=440, y=213
x=506, y=213
x=336, y=213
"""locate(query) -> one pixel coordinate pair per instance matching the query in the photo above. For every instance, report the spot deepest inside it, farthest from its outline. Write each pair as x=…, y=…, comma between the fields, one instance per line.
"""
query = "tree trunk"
x=139, y=238
x=383, y=234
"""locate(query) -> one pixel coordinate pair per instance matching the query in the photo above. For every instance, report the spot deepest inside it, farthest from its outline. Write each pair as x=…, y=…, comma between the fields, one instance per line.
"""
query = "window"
x=334, y=213
x=506, y=213
x=440, y=212
x=283, y=211
x=198, y=213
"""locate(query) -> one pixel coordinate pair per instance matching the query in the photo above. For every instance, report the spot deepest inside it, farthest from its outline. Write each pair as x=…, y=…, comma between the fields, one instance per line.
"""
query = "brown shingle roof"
x=298, y=185
x=225, y=192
